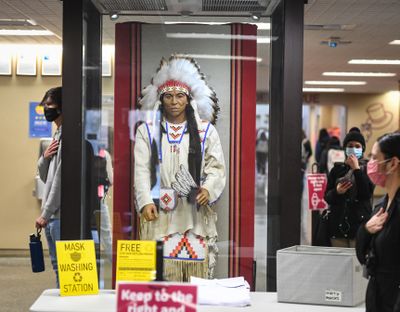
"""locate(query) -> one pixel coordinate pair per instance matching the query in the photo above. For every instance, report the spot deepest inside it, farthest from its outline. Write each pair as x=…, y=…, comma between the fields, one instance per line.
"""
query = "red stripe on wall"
x=247, y=161
x=136, y=61
x=139, y=90
x=238, y=151
x=132, y=108
x=232, y=157
x=242, y=162
x=122, y=87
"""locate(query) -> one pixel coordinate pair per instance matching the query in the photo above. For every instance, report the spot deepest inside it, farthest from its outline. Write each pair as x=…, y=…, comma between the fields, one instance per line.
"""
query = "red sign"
x=316, y=183
x=156, y=297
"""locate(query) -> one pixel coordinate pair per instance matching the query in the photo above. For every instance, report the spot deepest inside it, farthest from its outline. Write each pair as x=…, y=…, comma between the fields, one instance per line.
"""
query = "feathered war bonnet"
x=181, y=73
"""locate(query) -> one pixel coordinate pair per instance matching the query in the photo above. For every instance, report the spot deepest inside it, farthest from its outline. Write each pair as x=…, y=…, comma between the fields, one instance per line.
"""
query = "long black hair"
x=194, y=145
x=195, y=154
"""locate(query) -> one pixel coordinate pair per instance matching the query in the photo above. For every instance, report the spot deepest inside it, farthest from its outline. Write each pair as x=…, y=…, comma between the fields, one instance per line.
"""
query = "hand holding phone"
x=344, y=184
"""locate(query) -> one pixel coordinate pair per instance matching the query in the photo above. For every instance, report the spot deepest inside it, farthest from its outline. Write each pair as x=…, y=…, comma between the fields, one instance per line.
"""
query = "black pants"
x=383, y=294
x=261, y=159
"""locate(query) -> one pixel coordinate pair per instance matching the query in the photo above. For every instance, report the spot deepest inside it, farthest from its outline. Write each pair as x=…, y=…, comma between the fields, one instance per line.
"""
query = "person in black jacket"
x=348, y=193
x=333, y=143
x=378, y=240
x=323, y=139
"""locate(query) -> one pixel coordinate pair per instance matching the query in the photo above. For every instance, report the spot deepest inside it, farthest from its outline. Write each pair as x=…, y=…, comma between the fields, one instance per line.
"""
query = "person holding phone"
x=378, y=240
x=349, y=192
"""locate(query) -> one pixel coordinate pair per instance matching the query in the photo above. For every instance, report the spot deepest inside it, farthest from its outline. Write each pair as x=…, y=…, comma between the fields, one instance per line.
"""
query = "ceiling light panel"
x=394, y=42
x=336, y=82
x=329, y=27
x=263, y=26
x=374, y=62
x=260, y=39
x=222, y=57
x=16, y=22
x=25, y=32
x=358, y=74
x=323, y=90
x=260, y=26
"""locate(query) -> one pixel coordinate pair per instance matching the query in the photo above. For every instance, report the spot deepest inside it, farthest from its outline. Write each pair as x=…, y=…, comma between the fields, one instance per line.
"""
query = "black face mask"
x=51, y=113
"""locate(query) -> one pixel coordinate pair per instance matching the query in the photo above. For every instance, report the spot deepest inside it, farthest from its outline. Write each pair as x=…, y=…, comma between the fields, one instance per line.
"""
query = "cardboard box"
x=320, y=275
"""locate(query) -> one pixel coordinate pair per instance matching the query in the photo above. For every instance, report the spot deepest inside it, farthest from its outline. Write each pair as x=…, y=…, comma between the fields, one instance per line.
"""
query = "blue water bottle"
x=36, y=248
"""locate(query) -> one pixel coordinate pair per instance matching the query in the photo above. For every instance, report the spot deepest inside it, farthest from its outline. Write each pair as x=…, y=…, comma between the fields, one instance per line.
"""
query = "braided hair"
x=194, y=144
x=195, y=155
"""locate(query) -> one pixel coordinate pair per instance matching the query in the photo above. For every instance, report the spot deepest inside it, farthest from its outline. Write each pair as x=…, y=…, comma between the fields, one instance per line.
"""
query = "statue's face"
x=174, y=103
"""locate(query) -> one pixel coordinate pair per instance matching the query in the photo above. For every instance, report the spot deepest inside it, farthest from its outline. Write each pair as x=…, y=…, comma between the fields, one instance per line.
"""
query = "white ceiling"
x=46, y=13
x=373, y=24
x=376, y=24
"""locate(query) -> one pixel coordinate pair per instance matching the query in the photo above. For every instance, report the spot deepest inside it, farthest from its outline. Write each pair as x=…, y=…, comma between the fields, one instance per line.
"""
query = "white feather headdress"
x=185, y=72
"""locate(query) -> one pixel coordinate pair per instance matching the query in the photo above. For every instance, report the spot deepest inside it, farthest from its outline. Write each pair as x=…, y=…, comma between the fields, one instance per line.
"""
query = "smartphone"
x=344, y=180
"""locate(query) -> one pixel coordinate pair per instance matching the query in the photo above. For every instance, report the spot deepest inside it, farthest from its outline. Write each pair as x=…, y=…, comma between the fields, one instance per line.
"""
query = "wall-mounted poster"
x=26, y=63
x=51, y=63
x=5, y=62
x=39, y=127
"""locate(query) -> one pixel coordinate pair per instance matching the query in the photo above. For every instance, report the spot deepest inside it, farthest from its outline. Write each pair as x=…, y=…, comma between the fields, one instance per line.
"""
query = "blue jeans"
x=52, y=231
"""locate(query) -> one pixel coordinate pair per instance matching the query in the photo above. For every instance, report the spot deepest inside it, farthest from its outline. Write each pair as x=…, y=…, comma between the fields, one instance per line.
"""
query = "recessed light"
x=25, y=32
x=114, y=16
x=374, y=62
x=394, y=42
x=358, y=74
x=350, y=83
x=323, y=90
x=256, y=16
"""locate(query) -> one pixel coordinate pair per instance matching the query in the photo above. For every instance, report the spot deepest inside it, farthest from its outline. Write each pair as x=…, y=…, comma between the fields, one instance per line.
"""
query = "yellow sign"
x=136, y=260
x=77, y=268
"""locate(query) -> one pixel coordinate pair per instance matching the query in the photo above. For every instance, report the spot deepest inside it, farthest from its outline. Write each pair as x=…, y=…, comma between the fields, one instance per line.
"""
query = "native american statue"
x=184, y=146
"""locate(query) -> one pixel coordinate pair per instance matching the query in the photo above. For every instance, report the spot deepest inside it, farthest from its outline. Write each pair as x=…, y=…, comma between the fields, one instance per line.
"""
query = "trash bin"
x=320, y=275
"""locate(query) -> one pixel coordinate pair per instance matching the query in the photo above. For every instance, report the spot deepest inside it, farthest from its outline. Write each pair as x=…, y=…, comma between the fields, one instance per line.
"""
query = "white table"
x=50, y=301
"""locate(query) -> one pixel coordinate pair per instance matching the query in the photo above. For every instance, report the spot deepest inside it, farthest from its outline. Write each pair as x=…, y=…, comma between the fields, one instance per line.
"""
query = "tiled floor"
x=19, y=287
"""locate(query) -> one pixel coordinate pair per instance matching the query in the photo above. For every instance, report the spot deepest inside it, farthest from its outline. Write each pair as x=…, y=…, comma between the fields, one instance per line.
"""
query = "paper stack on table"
x=234, y=292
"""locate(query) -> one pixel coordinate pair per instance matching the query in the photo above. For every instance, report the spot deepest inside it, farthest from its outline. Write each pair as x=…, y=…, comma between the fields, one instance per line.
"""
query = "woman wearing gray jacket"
x=49, y=167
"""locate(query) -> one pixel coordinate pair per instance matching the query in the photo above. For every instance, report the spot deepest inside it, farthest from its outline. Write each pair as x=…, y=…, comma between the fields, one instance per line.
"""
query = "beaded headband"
x=172, y=85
